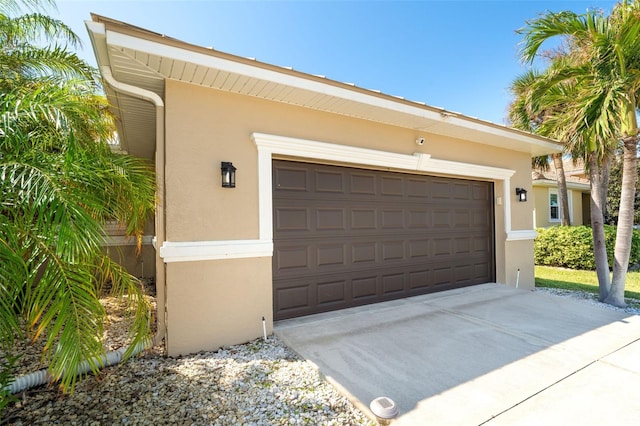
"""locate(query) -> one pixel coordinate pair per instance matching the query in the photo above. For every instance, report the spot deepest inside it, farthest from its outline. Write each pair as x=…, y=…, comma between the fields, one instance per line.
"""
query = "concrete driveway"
x=486, y=354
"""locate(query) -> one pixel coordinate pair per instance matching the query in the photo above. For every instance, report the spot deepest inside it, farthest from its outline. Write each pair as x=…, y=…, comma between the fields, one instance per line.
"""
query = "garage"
x=345, y=237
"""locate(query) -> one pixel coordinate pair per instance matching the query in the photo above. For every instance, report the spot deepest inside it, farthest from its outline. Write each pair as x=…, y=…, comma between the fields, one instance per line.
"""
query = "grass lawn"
x=571, y=279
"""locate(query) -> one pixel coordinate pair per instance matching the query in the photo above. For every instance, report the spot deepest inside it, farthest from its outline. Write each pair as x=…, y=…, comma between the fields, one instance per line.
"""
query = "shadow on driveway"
x=487, y=354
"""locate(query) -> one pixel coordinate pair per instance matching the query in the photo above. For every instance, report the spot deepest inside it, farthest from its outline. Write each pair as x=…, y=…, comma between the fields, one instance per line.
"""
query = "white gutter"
x=147, y=95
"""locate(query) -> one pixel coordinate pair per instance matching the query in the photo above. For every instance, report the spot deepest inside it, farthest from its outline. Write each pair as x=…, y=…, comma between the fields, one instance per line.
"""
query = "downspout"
x=154, y=98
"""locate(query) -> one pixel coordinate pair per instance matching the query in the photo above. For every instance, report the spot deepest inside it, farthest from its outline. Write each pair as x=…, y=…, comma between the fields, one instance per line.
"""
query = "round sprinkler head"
x=384, y=409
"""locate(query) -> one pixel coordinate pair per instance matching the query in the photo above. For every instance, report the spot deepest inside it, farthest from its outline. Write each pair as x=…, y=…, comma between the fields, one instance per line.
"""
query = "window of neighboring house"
x=554, y=206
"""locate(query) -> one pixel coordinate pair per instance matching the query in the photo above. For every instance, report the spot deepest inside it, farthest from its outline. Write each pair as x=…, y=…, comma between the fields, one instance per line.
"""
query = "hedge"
x=572, y=247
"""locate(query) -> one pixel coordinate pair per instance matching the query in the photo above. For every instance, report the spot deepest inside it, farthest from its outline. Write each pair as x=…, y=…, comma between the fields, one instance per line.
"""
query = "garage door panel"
x=392, y=250
x=329, y=181
x=392, y=186
x=293, y=300
x=363, y=183
x=393, y=283
x=442, y=247
x=440, y=189
x=418, y=219
x=363, y=219
x=417, y=189
x=291, y=178
x=392, y=219
x=296, y=258
x=419, y=249
x=442, y=275
x=364, y=252
x=328, y=218
x=463, y=274
x=462, y=246
x=346, y=237
x=461, y=191
x=480, y=192
x=292, y=219
x=332, y=292
x=481, y=272
x=365, y=288
x=440, y=218
x=420, y=279
x=331, y=255
x=461, y=219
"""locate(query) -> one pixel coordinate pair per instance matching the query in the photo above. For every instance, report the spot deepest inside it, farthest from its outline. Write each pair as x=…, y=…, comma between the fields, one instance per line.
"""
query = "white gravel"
x=258, y=383
x=633, y=305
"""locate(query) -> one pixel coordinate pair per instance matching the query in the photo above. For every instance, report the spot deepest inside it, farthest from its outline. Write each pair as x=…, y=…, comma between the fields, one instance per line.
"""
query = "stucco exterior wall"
x=541, y=201
x=541, y=213
x=576, y=199
x=519, y=257
x=218, y=302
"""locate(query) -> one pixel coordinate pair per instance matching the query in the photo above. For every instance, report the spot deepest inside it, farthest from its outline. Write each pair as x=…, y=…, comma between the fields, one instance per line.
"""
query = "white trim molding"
x=526, y=234
x=190, y=251
x=268, y=145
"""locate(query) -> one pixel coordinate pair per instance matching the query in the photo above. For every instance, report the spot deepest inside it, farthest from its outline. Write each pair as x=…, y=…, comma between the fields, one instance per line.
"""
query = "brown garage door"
x=345, y=237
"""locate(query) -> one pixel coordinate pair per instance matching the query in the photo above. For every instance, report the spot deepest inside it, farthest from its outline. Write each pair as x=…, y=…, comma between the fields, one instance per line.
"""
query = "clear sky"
x=454, y=54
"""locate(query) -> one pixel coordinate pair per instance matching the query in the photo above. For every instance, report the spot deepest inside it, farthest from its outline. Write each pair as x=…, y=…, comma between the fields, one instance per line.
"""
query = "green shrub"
x=572, y=247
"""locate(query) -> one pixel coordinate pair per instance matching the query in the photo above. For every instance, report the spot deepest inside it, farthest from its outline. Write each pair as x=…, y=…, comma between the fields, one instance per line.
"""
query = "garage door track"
x=487, y=354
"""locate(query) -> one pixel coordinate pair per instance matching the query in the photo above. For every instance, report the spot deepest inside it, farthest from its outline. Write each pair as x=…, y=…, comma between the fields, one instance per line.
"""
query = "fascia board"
x=440, y=117
x=124, y=41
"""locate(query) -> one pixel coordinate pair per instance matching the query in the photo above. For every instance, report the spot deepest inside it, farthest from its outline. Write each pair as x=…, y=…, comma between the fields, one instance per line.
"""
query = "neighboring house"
x=344, y=196
x=545, y=195
x=124, y=250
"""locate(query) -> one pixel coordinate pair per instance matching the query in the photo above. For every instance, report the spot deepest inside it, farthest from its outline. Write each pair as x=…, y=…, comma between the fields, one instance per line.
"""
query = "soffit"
x=144, y=59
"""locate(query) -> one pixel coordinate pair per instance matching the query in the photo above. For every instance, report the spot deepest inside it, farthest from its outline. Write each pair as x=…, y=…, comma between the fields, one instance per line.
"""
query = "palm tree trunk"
x=624, y=229
x=563, y=195
x=598, y=176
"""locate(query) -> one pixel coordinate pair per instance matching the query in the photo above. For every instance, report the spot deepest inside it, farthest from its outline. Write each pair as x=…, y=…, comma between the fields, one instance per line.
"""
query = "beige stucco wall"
x=576, y=199
x=217, y=302
x=519, y=256
x=541, y=201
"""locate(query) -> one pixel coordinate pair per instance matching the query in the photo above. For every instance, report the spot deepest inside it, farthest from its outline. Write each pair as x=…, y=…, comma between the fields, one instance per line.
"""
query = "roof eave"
x=141, y=49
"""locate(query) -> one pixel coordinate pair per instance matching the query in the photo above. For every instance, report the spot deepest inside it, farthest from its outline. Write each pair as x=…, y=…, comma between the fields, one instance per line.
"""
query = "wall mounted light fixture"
x=522, y=194
x=228, y=174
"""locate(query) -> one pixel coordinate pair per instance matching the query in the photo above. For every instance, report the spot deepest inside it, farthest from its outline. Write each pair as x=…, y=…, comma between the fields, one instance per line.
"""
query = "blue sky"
x=454, y=54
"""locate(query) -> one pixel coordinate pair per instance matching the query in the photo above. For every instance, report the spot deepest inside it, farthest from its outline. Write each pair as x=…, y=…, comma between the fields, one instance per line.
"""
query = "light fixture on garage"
x=522, y=194
x=228, y=174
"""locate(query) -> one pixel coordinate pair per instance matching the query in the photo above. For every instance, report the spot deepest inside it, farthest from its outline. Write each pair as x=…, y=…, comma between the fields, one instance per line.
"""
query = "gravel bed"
x=633, y=305
x=258, y=383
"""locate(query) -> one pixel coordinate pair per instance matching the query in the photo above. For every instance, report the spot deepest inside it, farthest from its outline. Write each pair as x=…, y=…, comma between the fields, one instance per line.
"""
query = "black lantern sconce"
x=228, y=174
x=522, y=194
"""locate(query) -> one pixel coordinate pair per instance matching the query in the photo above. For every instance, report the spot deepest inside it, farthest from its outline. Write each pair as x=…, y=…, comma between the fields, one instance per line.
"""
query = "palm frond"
x=35, y=27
